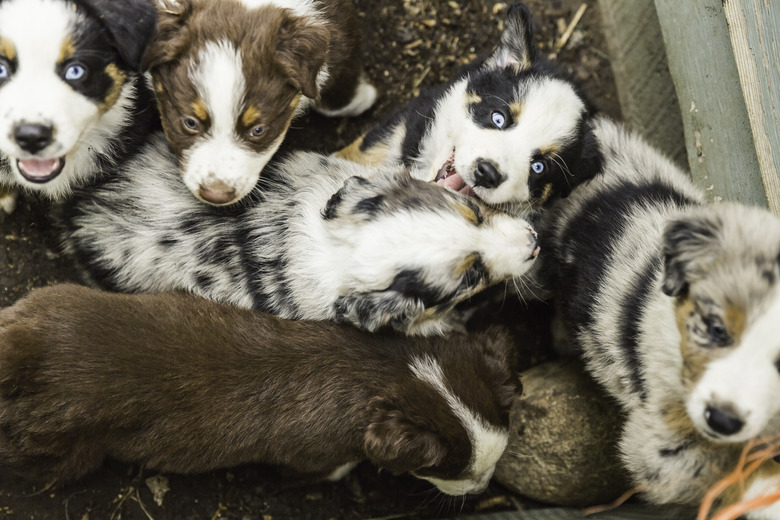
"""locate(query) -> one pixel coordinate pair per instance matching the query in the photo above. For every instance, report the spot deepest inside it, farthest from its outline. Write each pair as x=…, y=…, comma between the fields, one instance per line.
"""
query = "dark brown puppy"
x=181, y=384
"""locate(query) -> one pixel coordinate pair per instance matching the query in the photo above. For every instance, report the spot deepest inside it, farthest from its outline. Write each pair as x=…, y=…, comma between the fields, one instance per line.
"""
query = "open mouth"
x=449, y=177
x=40, y=170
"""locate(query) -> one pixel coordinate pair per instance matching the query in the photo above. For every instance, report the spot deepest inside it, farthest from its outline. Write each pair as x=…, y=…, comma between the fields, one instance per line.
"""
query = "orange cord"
x=749, y=461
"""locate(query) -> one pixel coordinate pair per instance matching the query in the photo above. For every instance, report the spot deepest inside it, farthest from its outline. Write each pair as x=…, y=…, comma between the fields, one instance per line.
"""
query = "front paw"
x=371, y=310
x=7, y=202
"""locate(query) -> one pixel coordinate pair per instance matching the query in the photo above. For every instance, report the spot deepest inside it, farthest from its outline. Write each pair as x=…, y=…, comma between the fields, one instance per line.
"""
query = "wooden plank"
x=718, y=136
x=755, y=30
x=645, y=88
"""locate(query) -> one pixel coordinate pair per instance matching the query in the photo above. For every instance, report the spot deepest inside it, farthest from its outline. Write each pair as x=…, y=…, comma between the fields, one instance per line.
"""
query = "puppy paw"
x=364, y=98
x=371, y=310
x=7, y=202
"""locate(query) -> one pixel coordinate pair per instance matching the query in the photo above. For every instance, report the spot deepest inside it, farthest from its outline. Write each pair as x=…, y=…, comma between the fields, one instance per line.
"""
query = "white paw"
x=341, y=472
x=364, y=98
x=7, y=201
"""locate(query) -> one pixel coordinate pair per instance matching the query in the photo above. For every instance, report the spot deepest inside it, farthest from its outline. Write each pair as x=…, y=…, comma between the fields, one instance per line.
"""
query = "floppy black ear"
x=517, y=49
x=587, y=162
x=397, y=442
x=172, y=36
x=690, y=244
x=130, y=23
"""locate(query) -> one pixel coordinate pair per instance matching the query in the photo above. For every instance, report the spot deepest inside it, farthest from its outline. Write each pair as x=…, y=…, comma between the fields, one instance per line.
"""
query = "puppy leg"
x=347, y=93
x=371, y=310
x=7, y=201
x=363, y=99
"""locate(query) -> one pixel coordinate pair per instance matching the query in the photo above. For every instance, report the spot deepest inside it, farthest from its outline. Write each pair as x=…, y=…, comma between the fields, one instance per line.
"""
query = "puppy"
x=319, y=241
x=673, y=304
x=508, y=129
x=178, y=383
x=230, y=75
x=70, y=95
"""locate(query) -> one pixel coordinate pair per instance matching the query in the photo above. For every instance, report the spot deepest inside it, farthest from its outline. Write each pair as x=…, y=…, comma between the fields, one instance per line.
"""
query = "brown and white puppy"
x=71, y=102
x=230, y=75
x=182, y=384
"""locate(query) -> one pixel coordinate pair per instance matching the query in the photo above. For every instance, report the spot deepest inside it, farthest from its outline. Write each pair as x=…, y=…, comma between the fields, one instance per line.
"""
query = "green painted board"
x=718, y=135
x=645, y=88
x=754, y=28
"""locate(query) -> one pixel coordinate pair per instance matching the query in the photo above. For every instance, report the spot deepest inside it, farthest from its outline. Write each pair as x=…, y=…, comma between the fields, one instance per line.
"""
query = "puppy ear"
x=690, y=244
x=500, y=354
x=301, y=50
x=399, y=443
x=172, y=36
x=354, y=187
x=516, y=49
x=130, y=23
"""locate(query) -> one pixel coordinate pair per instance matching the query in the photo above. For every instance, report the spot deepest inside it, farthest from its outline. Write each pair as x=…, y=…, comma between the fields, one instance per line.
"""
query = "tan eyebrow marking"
x=251, y=115
x=7, y=49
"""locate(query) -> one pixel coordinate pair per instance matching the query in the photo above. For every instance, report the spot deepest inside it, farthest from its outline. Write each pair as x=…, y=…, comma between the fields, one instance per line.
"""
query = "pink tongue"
x=39, y=168
x=455, y=182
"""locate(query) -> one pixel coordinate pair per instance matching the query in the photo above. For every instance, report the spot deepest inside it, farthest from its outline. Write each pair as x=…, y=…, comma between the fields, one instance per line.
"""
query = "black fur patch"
x=631, y=317
x=94, y=51
x=496, y=89
x=588, y=238
x=370, y=206
x=130, y=24
x=329, y=212
x=411, y=284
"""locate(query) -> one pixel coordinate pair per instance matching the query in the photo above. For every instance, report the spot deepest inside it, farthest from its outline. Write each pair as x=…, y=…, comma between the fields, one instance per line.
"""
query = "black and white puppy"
x=508, y=129
x=322, y=238
x=182, y=384
x=71, y=103
x=674, y=305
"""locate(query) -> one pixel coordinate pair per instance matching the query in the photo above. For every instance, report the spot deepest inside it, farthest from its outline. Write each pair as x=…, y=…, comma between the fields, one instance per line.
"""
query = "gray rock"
x=563, y=439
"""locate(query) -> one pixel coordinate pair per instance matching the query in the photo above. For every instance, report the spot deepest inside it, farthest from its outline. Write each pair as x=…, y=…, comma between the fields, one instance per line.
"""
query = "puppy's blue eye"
x=498, y=119
x=75, y=72
x=537, y=167
x=4, y=72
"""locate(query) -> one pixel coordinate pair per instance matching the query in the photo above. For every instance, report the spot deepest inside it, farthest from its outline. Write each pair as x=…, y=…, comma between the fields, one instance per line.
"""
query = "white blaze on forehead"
x=747, y=378
x=221, y=154
x=551, y=113
x=218, y=78
x=487, y=441
x=37, y=29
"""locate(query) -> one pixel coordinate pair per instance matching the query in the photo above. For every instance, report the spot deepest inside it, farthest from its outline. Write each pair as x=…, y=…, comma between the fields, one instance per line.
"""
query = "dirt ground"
x=409, y=45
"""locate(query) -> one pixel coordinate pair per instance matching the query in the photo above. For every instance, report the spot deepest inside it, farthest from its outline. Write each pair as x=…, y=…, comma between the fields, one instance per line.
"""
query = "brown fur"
x=182, y=384
x=282, y=55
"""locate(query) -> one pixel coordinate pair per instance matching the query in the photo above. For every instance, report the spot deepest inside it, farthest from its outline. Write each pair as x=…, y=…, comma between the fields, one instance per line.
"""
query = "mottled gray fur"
x=317, y=240
x=674, y=306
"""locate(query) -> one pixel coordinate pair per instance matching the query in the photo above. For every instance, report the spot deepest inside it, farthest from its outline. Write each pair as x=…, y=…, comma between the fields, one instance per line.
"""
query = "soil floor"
x=409, y=46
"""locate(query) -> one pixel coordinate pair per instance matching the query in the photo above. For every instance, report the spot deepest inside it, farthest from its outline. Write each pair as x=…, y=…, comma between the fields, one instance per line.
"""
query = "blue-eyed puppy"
x=71, y=102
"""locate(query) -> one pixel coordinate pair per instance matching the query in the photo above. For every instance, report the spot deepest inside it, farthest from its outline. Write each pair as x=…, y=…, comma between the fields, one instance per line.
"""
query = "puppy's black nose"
x=33, y=138
x=487, y=176
x=724, y=422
